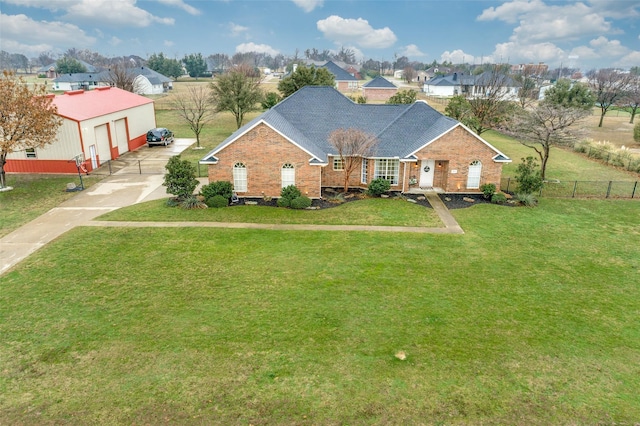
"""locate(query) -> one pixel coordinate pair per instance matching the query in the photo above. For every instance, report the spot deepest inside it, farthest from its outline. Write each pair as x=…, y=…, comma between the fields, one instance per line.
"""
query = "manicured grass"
x=564, y=164
x=372, y=211
x=531, y=317
x=33, y=195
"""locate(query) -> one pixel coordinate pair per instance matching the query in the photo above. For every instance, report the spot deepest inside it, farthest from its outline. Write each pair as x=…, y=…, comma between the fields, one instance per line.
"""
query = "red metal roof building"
x=99, y=125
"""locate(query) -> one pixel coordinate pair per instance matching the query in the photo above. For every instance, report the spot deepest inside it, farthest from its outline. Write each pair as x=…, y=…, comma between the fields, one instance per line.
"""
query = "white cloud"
x=236, y=29
x=182, y=5
x=356, y=31
x=115, y=41
x=631, y=59
x=168, y=43
x=458, y=57
x=512, y=52
x=606, y=47
x=308, y=5
x=18, y=30
x=115, y=13
x=510, y=12
x=411, y=51
x=259, y=48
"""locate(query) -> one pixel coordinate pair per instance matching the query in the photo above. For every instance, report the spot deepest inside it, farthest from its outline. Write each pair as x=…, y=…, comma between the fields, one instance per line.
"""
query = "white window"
x=387, y=169
x=31, y=152
x=239, y=177
x=338, y=163
x=288, y=175
x=473, y=179
x=365, y=174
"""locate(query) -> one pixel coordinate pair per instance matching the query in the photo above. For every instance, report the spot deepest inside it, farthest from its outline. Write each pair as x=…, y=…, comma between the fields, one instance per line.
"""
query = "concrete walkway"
x=121, y=190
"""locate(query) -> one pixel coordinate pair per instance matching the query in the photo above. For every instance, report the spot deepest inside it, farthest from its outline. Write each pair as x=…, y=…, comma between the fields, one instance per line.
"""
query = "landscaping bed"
x=333, y=199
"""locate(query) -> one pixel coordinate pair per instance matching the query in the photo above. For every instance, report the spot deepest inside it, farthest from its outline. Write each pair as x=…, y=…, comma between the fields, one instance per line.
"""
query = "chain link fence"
x=580, y=188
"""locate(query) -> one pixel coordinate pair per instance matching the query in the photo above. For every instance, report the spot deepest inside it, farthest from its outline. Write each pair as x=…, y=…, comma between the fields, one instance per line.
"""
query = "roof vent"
x=455, y=76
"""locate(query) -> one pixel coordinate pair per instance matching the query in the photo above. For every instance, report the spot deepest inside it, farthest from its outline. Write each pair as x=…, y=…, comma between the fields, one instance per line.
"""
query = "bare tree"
x=545, y=126
x=194, y=107
x=631, y=97
x=121, y=76
x=529, y=80
x=27, y=118
x=409, y=73
x=608, y=86
x=488, y=99
x=352, y=146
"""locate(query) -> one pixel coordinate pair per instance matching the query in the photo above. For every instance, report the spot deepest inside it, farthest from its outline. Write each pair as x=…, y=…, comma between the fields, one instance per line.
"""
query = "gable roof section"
x=79, y=105
x=339, y=73
x=308, y=117
x=380, y=83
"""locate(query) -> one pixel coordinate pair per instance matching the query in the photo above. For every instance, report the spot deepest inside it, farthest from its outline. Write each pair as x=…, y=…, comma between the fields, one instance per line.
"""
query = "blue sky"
x=585, y=34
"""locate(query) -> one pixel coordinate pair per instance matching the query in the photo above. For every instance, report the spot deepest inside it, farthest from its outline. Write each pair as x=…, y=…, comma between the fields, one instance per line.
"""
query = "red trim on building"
x=136, y=143
x=41, y=166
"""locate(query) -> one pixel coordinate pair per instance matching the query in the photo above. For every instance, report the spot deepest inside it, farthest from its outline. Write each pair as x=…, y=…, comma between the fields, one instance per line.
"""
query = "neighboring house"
x=345, y=82
x=379, y=89
x=418, y=147
x=145, y=81
x=76, y=81
x=468, y=85
x=99, y=125
x=150, y=82
x=51, y=72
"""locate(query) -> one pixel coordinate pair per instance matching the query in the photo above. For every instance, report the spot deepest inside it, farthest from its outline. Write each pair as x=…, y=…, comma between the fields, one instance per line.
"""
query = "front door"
x=426, y=173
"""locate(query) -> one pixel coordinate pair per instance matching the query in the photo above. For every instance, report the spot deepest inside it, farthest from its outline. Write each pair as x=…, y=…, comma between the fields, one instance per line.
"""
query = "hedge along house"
x=100, y=124
x=418, y=149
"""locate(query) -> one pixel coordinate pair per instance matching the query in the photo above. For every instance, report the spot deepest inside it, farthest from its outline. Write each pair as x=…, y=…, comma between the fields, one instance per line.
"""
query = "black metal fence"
x=139, y=167
x=581, y=188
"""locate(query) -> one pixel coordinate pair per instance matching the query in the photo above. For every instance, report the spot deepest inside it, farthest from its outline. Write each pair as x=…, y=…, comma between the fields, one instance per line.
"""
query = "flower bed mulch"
x=451, y=201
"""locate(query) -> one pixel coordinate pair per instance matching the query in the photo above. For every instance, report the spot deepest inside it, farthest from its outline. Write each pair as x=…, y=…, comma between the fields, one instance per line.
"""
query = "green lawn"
x=371, y=211
x=530, y=317
x=33, y=195
x=564, y=164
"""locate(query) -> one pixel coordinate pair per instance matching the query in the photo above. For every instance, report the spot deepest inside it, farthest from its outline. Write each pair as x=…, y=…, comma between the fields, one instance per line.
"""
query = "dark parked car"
x=159, y=136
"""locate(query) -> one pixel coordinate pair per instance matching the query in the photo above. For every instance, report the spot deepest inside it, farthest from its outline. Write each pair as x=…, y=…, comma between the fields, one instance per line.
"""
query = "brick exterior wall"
x=378, y=94
x=264, y=151
x=455, y=151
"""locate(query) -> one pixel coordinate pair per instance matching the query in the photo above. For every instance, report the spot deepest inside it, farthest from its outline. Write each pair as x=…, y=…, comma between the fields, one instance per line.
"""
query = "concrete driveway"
x=126, y=186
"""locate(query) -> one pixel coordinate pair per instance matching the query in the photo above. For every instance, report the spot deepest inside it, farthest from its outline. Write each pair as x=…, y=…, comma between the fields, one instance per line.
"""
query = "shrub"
x=290, y=192
x=220, y=187
x=192, y=202
x=528, y=177
x=488, y=189
x=301, y=202
x=180, y=179
x=173, y=202
x=379, y=186
x=528, y=200
x=498, y=198
x=283, y=202
x=217, y=201
x=270, y=100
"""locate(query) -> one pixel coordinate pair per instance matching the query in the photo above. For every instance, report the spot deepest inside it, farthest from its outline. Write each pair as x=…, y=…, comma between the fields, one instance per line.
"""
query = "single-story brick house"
x=99, y=124
x=379, y=89
x=345, y=82
x=418, y=148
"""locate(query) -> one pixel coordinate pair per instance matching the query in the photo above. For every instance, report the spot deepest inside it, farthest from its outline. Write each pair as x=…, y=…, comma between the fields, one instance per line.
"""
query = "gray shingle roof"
x=309, y=116
x=339, y=73
x=380, y=83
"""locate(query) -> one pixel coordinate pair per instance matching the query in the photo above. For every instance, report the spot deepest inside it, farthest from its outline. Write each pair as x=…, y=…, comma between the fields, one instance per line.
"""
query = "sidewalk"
x=123, y=190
